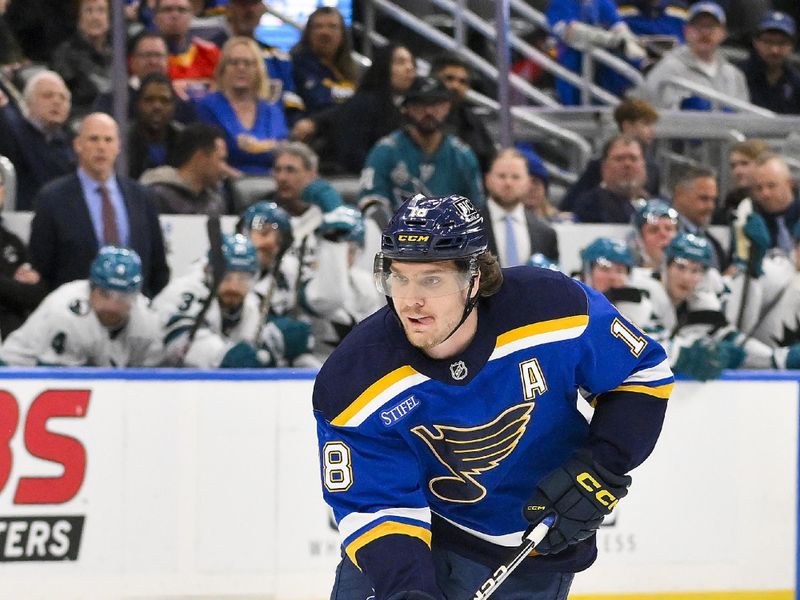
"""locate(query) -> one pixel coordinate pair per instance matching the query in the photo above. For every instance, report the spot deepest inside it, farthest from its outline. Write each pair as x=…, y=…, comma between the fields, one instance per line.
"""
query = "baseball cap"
x=777, y=21
x=706, y=8
x=427, y=90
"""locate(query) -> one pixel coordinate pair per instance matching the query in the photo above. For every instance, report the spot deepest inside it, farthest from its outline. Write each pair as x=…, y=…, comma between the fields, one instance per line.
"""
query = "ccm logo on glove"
x=603, y=496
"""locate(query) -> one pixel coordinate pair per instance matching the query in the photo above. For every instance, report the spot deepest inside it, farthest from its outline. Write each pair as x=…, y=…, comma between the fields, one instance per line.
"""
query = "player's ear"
x=476, y=287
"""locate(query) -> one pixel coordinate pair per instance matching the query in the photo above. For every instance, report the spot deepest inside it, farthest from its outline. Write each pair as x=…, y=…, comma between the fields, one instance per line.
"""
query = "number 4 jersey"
x=417, y=451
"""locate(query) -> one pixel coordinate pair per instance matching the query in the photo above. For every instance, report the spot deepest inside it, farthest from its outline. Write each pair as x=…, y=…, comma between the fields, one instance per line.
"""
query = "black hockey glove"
x=580, y=493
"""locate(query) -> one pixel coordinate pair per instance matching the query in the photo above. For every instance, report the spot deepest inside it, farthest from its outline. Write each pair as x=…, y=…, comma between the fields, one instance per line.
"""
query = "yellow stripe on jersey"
x=661, y=391
x=384, y=529
x=628, y=11
x=539, y=329
x=373, y=392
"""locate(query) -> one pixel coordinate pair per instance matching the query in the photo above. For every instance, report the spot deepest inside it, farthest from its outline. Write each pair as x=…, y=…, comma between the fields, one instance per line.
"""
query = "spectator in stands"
x=192, y=186
x=21, y=288
x=742, y=161
x=10, y=50
x=515, y=233
x=537, y=199
x=84, y=60
x=147, y=54
x=634, y=117
x=699, y=61
x=246, y=107
x=101, y=320
x=420, y=157
x=775, y=200
x=585, y=24
x=462, y=122
x=152, y=136
x=39, y=145
x=655, y=21
x=622, y=184
x=77, y=214
x=373, y=111
x=324, y=69
x=694, y=196
x=192, y=60
x=773, y=82
x=241, y=19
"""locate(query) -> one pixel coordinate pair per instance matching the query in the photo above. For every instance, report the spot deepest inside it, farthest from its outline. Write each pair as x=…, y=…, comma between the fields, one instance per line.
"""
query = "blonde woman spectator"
x=246, y=107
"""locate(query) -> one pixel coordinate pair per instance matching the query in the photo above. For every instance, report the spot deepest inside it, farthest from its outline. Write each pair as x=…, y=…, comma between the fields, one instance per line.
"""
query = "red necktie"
x=110, y=231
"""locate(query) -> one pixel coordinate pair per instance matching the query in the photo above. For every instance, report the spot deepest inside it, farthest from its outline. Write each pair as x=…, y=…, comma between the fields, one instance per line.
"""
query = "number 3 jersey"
x=416, y=451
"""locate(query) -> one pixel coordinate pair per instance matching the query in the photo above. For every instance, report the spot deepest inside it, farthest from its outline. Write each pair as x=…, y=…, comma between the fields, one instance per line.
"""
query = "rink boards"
x=188, y=484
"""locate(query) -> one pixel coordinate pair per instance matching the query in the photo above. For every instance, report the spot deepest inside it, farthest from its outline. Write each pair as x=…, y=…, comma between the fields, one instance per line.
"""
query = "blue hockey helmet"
x=608, y=250
x=653, y=210
x=268, y=215
x=688, y=246
x=438, y=228
x=117, y=269
x=540, y=260
x=239, y=254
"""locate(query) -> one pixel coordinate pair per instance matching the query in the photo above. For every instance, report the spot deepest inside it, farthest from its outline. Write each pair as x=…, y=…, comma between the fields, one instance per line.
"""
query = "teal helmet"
x=117, y=269
x=653, y=210
x=540, y=260
x=688, y=246
x=608, y=250
x=239, y=254
x=267, y=215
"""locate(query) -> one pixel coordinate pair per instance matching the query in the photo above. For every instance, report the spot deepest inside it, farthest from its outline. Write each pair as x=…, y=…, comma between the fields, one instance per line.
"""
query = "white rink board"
x=211, y=489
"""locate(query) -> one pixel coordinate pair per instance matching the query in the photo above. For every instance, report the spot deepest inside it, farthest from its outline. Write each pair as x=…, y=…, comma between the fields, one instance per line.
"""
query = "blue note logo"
x=393, y=415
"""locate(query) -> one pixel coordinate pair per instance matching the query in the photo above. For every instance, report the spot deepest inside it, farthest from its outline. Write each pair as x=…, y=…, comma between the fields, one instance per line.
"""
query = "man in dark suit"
x=515, y=232
x=77, y=214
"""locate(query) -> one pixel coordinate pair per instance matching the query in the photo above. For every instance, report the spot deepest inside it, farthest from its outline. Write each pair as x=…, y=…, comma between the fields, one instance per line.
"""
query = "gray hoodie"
x=173, y=196
x=681, y=62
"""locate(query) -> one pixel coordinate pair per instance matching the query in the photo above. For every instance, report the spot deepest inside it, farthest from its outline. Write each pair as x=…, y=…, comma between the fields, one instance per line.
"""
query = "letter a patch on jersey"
x=469, y=451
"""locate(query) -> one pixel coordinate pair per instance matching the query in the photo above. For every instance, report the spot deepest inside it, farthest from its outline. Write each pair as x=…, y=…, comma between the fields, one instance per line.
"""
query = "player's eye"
x=397, y=279
x=431, y=281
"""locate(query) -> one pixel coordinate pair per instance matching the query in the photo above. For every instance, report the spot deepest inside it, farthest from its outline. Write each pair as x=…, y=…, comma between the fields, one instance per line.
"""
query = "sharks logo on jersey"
x=469, y=451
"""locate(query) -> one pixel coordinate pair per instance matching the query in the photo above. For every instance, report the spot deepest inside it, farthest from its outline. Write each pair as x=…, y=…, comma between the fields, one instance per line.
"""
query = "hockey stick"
x=217, y=264
x=530, y=540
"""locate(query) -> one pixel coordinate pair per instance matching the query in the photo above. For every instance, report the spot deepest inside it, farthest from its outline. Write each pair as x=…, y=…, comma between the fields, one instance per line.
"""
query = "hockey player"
x=103, y=321
x=339, y=294
x=448, y=423
x=655, y=224
x=232, y=333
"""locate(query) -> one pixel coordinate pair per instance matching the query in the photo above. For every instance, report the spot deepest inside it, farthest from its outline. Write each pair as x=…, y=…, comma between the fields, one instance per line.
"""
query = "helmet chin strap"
x=469, y=305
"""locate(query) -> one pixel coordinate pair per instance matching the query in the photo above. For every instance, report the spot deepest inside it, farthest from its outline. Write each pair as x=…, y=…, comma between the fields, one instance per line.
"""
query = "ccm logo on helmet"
x=412, y=238
x=604, y=497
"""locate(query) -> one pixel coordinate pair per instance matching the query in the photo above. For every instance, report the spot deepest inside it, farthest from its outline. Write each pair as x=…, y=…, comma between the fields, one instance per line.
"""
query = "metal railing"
x=442, y=40
x=716, y=98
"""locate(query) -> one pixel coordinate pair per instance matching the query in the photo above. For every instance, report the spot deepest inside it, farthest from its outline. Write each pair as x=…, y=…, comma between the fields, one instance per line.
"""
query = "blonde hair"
x=264, y=89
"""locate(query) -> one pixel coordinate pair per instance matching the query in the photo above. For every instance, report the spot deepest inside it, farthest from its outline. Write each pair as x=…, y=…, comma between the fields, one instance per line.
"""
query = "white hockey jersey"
x=178, y=306
x=64, y=331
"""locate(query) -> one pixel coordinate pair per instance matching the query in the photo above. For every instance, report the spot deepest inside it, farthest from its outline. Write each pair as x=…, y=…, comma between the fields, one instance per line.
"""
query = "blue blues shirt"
x=270, y=124
x=317, y=84
x=411, y=445
x=668, y=18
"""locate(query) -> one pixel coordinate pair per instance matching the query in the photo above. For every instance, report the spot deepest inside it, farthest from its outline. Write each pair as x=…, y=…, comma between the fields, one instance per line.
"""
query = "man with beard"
x=103, y=321
x=419, y=158
x=615, y=199
x=233, y=333
x=514, y=232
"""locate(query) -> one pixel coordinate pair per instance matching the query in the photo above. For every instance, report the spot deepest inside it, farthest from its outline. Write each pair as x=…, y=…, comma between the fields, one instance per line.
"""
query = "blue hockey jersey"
x=417, y=451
